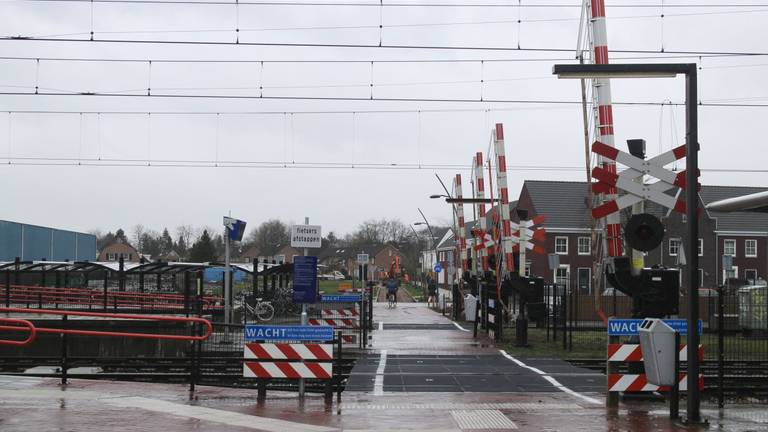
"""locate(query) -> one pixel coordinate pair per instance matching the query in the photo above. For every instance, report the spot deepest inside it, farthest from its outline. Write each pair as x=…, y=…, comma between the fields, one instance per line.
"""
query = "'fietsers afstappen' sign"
x=306, y=236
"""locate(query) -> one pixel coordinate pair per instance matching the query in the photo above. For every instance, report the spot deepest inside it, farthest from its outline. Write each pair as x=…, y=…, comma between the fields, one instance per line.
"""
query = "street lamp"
x=669, y=70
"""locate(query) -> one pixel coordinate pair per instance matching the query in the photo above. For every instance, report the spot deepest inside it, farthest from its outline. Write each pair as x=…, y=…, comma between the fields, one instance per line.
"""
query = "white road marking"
x=459, y=327
x=551, y=380
x=214, y=415
x=378, y=385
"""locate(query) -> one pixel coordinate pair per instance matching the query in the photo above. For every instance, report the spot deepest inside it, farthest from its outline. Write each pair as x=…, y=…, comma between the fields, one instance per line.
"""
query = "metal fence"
x=735, y=334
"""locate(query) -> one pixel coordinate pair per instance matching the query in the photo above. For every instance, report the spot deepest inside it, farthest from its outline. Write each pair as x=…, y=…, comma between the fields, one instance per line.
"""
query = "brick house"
x=344, y=259
x=744, y=235
x=119, y=248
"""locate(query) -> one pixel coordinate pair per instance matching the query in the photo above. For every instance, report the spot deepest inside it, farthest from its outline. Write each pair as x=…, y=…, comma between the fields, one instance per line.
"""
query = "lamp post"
x=669, y=70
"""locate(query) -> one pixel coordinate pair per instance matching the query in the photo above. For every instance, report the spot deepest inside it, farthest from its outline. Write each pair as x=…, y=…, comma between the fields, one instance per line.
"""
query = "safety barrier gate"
x=346, y=313
x=637, y=382
x=266, y=361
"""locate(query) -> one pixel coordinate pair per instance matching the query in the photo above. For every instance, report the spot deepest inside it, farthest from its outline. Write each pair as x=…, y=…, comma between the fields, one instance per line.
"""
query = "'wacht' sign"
x=628, y=327
x=288, y=333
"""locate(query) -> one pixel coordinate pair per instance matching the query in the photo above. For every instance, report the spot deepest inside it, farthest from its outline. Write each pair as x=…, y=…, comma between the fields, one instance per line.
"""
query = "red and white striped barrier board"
x=480, y=193
x=639, y=383
x=348, y=339
x=340, y=313
x=633, y=353
x=335, y=322
x=501, y=174
x=461, y=230
x=285, y=351
x=293, y=370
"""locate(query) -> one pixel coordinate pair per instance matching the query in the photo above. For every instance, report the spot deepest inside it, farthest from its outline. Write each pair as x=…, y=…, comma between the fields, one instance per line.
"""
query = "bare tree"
x=186, y=233
x=138, y=236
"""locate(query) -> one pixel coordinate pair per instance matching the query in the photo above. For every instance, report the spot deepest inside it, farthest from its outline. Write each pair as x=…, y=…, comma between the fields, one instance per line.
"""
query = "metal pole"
x=691, y=195
x=720, y=348
x=227, y=281
x=304, y=321
x=674, y=400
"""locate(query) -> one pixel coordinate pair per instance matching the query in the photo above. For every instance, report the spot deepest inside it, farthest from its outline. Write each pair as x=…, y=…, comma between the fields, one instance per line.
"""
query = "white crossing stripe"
x=482, y=419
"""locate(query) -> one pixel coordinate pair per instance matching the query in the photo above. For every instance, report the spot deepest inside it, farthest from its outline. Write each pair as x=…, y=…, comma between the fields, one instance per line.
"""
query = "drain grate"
x=482, y=419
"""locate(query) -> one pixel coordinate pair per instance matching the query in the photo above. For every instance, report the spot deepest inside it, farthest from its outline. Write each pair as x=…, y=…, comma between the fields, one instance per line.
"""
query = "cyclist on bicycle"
x=392, y=290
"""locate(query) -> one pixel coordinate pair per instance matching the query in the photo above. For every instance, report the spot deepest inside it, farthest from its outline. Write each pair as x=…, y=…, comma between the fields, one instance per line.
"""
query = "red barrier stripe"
x=502, y=163
x=680, y=206
x=319, y=352
x=499, y=131
x=287, y=369
x=601, y=188
x=605, y=176
x=598, y=9
x=601, y=54
x=257, y=370
x=679, y=152
x=539, y=235
x=605, y=150
x=317, y=370
x=258, y=350
x=539, y=219
x=605, y=209
x=288, y=351
x=539, y=250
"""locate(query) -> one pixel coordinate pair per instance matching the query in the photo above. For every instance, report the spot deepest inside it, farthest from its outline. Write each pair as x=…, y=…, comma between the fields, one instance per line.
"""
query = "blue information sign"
x=288, y=333
x=628, y=327
x=438, y=268
x=341, y=298
x=304, y=279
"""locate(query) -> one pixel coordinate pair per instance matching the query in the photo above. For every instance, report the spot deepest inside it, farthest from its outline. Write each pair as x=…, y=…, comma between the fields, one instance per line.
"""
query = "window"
x=750, y=275
x=729, y=247
x=674, y=246
x=527, y=269
x=111, y=257
x=750, y=248
x=701, y=247
x=585, y=280
x=561, y=245
x=585, y=245
x=280, y=259
x=701, y=278
x=562, y=275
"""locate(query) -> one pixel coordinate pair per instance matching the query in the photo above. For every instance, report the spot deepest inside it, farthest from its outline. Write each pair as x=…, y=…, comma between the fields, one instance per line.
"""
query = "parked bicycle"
x=263, y=310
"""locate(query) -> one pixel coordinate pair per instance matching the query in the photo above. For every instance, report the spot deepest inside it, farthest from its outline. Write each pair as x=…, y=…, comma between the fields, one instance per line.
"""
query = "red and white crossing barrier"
x=530, y=233
x=483, y=224
x=602, y=92
x=286, y=351
x=335, y=313
x=501, y=174
x=639, y=383
x=633, y=353
x=292, y=370
x=460, y=216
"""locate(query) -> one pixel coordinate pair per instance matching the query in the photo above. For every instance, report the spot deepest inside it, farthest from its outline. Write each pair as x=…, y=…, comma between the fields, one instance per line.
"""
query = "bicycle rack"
x=34, y=329
x=28, y=326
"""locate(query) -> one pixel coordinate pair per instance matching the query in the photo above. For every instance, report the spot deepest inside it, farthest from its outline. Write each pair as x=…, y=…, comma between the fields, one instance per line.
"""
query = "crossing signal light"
x=644, y=232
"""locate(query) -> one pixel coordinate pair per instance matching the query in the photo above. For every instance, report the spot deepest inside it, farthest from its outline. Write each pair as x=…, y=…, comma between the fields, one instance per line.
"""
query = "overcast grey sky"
x=440, y=136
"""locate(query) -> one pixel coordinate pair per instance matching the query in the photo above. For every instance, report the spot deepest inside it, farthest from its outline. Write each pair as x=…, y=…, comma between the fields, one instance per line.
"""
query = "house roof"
x=565, y=205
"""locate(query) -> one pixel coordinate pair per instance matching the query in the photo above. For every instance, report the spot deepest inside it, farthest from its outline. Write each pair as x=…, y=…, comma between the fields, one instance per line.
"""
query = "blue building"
x=34, y=243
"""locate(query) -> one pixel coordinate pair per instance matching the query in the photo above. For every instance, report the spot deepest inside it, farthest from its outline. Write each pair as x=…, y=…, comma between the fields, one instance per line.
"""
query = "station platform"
x=422, y=373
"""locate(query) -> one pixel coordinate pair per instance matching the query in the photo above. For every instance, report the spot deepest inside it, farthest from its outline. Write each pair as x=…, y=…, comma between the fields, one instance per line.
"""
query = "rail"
x=34, y=329
x=27, y=326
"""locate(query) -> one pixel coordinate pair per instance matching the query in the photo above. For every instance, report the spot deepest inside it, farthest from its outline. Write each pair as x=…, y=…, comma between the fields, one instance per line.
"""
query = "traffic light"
x=644, y=232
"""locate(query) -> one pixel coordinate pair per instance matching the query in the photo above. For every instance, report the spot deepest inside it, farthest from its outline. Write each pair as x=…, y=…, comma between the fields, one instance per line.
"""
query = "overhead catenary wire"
x=362, y=45
x=401, y=4
x=369, y=98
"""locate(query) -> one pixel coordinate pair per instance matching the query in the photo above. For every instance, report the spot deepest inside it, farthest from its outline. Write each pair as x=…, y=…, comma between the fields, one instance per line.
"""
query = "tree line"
x=205, y=244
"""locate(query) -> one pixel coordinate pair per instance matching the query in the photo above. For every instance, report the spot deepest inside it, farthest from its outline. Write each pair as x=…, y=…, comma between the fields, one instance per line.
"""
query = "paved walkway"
x=471, y=393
